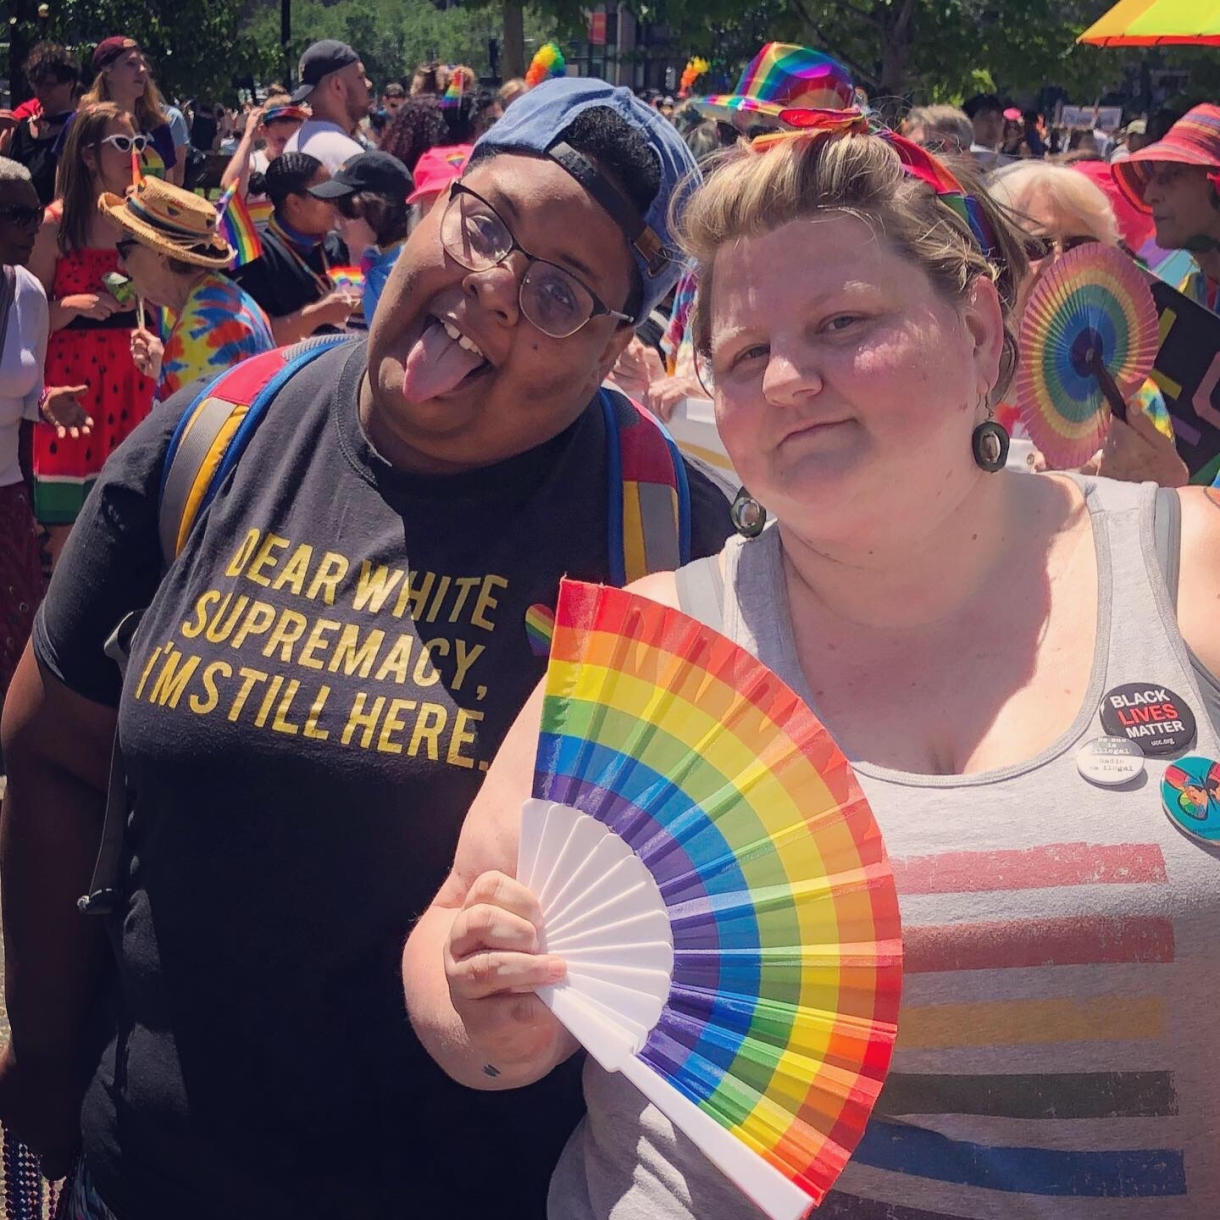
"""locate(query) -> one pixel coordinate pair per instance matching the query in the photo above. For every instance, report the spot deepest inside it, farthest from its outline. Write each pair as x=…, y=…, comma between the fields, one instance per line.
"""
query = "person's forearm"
x=238, y=169
x=293, y=327
x=60, y=315
x=438, y=1025
x=50, y=827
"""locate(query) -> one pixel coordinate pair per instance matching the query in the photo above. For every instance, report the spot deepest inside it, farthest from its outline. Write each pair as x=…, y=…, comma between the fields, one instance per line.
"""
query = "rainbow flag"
x=452, y=97
x=237, y=228
x=260, y=210
x=350, y=278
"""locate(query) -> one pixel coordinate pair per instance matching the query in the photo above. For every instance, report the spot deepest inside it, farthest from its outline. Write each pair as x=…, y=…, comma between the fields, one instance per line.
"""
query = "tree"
x=195, y=45
x=900, y=50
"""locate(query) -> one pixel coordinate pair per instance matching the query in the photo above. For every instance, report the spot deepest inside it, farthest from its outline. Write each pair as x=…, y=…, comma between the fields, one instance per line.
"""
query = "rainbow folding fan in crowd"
x=1088, y=340
x=236, y=227
x=712, y=875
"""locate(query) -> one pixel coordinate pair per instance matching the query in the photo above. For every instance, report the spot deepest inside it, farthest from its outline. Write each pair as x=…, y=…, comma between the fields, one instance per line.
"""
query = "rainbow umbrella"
x=1151, y=23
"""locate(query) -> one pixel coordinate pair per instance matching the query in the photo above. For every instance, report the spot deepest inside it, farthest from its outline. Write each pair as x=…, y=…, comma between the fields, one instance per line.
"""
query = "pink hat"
x=1193, y=140
x=437, y=168
x=1012, y=114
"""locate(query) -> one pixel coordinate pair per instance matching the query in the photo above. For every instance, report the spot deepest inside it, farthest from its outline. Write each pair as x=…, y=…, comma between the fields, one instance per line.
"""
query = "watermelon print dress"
x=118, y=398
x=219, y=326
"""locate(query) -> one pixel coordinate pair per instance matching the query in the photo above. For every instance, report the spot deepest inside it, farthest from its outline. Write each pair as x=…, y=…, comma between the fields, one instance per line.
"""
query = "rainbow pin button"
x=1190, y=793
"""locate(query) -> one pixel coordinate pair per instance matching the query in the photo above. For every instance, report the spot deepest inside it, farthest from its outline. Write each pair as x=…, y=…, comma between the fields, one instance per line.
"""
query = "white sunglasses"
x=126, y=143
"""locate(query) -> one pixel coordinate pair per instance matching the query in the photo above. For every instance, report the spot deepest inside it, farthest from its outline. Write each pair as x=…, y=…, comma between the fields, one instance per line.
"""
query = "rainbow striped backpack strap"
x=649, y=523
x=214, y=431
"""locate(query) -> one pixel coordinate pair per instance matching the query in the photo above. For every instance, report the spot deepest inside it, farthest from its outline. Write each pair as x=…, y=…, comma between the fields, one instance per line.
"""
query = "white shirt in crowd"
x=21, y=362
x=325, y=140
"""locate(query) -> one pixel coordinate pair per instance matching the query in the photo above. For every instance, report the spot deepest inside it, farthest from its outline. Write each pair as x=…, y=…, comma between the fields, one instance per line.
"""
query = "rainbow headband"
x=276, y=114
x=916, y=162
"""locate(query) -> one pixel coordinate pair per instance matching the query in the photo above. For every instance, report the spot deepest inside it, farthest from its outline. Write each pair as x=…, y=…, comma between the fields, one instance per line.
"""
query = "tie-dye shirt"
x=219, y=326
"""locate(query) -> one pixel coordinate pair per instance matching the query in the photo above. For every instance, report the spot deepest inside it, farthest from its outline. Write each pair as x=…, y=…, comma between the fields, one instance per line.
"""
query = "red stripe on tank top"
x=1051, y=866
x=1081, y=941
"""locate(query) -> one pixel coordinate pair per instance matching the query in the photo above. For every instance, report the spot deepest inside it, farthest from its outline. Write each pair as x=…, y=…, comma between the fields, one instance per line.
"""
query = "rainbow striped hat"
x=1193, y=140
x=784, y=76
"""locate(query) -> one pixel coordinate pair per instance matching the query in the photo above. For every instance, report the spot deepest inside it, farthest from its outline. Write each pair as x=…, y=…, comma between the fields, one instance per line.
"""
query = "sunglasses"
x=20, y=215
x=126, y=143
x=1039, y=246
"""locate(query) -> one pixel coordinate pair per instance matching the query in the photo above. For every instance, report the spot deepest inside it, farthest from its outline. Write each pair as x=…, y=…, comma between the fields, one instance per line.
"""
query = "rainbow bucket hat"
x=784, y=76
x=1193, y=140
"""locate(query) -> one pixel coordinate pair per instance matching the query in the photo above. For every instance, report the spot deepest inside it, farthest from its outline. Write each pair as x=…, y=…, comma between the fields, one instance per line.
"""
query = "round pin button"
x=1110, y=761
x=1190, y=793
x=1153, y=717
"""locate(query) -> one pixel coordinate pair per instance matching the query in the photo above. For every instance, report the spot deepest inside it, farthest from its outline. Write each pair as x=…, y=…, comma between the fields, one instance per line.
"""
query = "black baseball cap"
x=376, y=171
x=319, y=60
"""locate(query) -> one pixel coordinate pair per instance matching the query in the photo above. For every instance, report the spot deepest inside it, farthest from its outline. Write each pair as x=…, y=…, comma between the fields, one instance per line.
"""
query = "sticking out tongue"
x=435, y=365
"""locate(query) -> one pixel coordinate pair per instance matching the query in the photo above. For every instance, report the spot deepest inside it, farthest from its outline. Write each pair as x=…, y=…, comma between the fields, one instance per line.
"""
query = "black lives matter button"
x=1153, y=717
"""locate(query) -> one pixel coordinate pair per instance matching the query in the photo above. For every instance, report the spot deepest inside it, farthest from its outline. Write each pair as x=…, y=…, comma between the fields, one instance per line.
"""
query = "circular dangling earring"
x=989, y=442
x=748, y=516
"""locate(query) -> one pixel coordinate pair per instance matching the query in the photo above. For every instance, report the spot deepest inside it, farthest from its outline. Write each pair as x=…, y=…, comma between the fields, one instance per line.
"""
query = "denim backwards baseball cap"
x=536, y=123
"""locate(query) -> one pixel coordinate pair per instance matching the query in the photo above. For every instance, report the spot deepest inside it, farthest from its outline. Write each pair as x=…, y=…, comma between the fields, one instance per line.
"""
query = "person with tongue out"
x=313, y=696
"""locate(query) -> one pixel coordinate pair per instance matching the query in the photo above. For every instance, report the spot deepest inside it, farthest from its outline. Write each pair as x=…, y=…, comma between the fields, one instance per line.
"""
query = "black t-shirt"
x=38, y=155
x=281, y=282
x=315, y=692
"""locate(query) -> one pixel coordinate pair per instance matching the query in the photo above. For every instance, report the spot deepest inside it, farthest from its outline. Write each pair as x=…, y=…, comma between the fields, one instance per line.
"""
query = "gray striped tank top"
x=1056, y=1058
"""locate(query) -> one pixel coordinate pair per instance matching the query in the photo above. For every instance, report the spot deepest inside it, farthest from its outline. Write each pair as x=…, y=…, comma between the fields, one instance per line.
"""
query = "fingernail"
x=556, y=971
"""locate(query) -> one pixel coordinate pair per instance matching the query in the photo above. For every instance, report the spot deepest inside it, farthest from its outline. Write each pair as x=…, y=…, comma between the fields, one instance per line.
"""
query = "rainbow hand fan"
x=711, y=873
x=1088, y=339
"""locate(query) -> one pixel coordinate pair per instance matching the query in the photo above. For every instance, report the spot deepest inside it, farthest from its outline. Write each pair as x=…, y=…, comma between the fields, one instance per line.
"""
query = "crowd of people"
x=306, y=985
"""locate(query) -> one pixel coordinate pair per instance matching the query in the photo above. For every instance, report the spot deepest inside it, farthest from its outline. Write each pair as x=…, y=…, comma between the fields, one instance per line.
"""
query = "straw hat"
x=171, y=221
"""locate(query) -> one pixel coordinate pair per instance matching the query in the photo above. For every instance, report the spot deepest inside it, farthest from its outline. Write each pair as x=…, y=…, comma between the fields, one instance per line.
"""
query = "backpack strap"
x=649, y=524
x=214, y=431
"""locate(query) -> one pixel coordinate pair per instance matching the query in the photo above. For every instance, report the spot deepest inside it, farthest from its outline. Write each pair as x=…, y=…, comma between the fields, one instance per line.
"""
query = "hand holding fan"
x=711, y=873
x=1088, y=339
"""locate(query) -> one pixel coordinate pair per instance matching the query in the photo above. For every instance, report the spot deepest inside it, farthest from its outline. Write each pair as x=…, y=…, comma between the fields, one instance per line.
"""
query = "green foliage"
x=392, y=36
x=902, y=50
x=196, y=45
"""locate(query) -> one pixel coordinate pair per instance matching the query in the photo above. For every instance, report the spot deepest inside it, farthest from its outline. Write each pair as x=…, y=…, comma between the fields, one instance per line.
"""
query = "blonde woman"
x=1061, y=210
x=123, y=77
x=956, y=628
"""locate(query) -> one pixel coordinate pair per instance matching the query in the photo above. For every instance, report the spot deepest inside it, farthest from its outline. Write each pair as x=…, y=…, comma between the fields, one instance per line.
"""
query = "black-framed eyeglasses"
x=552, y=299
x=124, y=246
x=20, y=215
